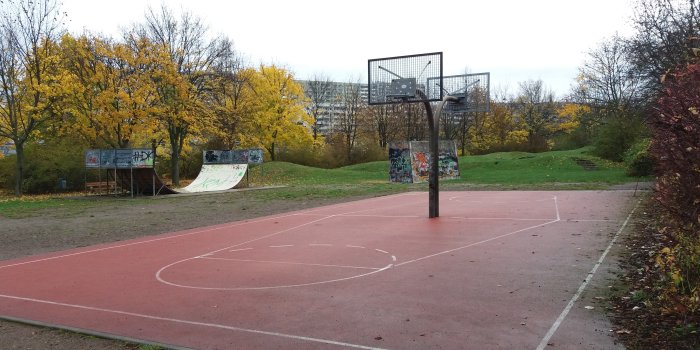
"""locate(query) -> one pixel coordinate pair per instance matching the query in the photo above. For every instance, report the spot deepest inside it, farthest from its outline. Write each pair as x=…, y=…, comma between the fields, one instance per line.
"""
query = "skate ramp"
x=216, y=177
x=145, y=181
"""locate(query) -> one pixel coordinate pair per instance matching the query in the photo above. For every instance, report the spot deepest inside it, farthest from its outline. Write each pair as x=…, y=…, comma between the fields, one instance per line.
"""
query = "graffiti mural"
x=217, y=157
x=448, y=163
x=255, y=156
x=400, y=162
x=217, y=177
x=242, y=156
x=124, y=158
x=239, y=156
x=410, y=161
x=92, y=158
x=142, y=158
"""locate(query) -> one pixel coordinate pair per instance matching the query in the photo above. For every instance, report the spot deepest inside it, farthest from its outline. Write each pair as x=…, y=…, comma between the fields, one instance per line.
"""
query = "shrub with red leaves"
x=676, y=147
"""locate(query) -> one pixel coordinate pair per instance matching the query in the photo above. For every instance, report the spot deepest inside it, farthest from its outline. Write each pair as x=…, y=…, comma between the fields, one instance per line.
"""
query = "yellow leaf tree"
x=111, y=100
x=279, y=118
x=28, y=57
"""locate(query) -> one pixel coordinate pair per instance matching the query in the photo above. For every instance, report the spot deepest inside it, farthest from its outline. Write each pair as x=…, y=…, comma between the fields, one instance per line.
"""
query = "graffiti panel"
x=400, y=162
x=124, y=158
x=255, y=156
x=142, y=158
x=420, y=161
x=217, y=157
x=447, y=161
x=239, y=156
x=107, y=158
x=92, y=158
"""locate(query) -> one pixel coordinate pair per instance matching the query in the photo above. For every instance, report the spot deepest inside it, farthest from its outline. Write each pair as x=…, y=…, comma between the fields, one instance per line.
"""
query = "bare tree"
x=608, y=80
x=351, y=103
x=668, y=33
x=385, y=120
x=320, y=91
x=537, y=110
x=28, y=34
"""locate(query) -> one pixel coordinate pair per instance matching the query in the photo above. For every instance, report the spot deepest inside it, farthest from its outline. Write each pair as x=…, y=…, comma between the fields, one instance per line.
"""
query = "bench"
x=100, y=187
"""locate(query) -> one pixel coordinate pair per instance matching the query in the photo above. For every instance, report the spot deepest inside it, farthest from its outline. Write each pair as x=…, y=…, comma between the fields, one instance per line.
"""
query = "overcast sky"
x=515, y=40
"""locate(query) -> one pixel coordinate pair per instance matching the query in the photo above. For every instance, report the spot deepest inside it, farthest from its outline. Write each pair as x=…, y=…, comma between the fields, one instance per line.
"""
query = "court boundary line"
x=562, y=316
x=558, y=219
x=346, y=214
x=198, y=231
x=292, y=263
x=191, y=323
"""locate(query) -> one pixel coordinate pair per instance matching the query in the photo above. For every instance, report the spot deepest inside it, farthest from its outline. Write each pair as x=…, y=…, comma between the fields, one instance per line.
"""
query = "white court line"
x=570, y=305
x=275, y=246
x=383, y=216
x=237, y=250
x=320, y=245
x=476, y=243
x=293, y=263
x=160, y=271
x=488, y=200
x=239, y=223
x=191, y=323
x=502, y=219
x=556, y=205
x=210, y=229
x=282, y=286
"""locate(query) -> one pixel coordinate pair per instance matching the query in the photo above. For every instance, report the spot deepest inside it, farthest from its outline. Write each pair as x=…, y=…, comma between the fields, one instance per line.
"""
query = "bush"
x=614, y=138
x=638, y=160
x=45, y=164
x=675, y=147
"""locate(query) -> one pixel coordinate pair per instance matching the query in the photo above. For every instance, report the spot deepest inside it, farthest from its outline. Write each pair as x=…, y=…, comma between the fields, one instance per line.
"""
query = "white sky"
x=515, y=40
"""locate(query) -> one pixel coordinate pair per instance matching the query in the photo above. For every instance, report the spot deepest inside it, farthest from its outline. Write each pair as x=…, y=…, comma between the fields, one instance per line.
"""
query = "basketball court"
x=496, y=270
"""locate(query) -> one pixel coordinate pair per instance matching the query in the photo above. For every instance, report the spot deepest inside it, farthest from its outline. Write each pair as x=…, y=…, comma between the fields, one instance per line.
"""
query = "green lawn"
x=512, y=170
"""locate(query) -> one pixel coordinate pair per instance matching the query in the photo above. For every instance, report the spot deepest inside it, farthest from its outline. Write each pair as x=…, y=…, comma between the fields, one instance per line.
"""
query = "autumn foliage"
x=676, y=147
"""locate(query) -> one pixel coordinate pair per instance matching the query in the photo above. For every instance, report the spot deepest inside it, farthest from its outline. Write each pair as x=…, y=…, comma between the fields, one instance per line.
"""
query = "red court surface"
x=496, y=270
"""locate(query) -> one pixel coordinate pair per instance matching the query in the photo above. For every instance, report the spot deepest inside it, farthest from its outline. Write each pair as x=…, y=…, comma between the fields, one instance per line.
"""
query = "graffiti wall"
x=410, y=161
x=242, y=156
x=119, y=158
x=92, y=158
x=448, y=162
x=400, y=162
x=255, y=156
x=420, y=161
x=217, y=157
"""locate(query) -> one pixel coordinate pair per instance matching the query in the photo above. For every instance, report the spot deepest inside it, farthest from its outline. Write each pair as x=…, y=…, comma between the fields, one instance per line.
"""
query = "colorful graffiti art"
x=448, y=163
x=400, y=162
x=410, y=161
x=217, y=157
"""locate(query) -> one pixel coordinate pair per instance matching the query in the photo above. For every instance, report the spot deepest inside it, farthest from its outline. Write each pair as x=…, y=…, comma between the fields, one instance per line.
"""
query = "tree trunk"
x=175, y=168
x=272, y=152
x=19, y=168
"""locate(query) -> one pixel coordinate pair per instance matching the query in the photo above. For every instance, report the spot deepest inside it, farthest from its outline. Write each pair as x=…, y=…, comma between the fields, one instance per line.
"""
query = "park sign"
x=122, y=158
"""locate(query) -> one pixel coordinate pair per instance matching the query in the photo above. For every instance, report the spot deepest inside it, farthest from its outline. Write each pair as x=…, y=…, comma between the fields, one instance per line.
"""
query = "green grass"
x=511, y=170
x=519, y=168
x=13, y=207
